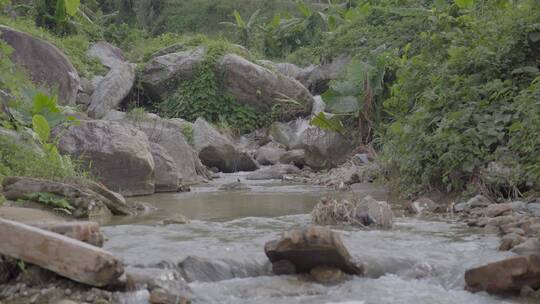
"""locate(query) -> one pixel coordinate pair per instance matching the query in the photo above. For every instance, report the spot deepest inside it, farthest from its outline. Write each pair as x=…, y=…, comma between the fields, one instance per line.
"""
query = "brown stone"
x=495, y=210
x=161, y=296
x=67, y=257
x=507, y=275
x=326, y=275
x=310, y=247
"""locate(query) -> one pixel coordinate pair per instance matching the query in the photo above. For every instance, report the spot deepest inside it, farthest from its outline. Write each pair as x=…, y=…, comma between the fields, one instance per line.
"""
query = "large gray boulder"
x=112, y=90
x=166, y=172
x=161, y=75
x=269, y=154
x=116, y=85
x=44, y=62
x=117, y=154
x=259, y=87
x=323, y=148
x=168, y=134
x=250, y=84
x=216, y=150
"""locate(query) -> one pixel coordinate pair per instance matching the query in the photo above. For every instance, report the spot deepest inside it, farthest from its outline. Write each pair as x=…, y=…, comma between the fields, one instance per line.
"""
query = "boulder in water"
x=269, y=154
x=311, y=247
x=166, y=172
x=511, y=274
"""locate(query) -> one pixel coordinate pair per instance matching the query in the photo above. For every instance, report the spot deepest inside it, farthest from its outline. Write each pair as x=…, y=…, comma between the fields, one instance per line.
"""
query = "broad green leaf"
x=304, y=9
x=239, y=21
x=464, y=3
x=60, y=11
x=41, y=127
x=43, y=103
x=253, y=18
x=72, y=6
x=328, y=123
x=343, y=104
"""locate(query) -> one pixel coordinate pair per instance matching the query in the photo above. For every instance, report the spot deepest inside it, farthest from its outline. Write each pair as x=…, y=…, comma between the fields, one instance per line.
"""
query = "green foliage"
x=245, y=29
x=21, y=158
x=57, y=15
x=189, y=133
x=325, y=122
x=202, y=96
x=464, y=99
x=50, y=199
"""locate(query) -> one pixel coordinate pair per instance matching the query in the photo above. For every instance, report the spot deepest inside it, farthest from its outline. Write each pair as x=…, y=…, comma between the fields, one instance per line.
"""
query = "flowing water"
x=419, y=261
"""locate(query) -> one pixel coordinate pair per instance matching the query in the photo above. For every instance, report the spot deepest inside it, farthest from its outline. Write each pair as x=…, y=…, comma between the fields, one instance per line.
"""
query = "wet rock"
x=530, y=246
x=510, y=241
x=310, y=247
x=273, y=172
x=116, y=153
x=116, y=202
x=45, y=63
x=166, y=172
x=177, y=219
x=326, y=275
x=237, y=185
x=161, y=296
x=510, y=274
x=216, y=150
x=78, y=261
x=295, y=157
x=323, y=148
x=366, y=212
x=283, y=267
x=269, y=154
x=86, y=203
x=422, y=205
x=534, y=208
x=205, y=270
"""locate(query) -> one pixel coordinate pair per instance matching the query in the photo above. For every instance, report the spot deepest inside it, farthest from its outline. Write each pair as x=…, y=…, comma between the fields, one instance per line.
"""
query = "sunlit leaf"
x=328, y=123
x=41, y=127
x=71, y=6
x=464, y=3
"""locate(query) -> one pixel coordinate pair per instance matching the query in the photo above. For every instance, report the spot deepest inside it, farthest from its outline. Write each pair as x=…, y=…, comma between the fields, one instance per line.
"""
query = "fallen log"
x=65, y=256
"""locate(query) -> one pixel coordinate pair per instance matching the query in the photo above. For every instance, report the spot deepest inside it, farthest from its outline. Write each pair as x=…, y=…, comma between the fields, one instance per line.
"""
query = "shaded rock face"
x=162, y=72
x=323, y=149
x=269, y=154
x=273, y=172
x=257, y=86
x=216, y=150
x=507, y=275
x=112, y=90
x=166, y=172
x=45, y=63
x=311, y=247
x=167, y=133
x=206, y=270
x=295, y=157
x=116, y=153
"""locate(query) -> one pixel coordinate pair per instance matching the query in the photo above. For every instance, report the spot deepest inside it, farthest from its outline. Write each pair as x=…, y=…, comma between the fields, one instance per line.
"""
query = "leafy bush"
x=465, y=99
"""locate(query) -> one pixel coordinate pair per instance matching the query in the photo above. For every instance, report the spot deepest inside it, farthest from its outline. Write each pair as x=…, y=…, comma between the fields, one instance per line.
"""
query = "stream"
x=418, y=261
